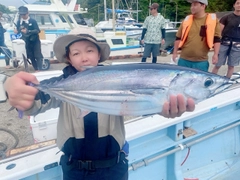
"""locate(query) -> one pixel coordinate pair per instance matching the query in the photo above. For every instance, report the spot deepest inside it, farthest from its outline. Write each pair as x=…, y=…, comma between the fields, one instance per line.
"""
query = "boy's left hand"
x=24, y=30
x=176, y=106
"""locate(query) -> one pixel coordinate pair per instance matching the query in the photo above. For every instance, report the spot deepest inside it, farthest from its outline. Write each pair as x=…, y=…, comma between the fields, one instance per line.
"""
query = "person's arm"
x=163, y=33
x=35, y=26
x=21, y=95
x=216, y=41
x=144, y=31
x=221, y=27
x=176, y=43
x=223, y=22
x=27, y=98
x=143, y=34
x=163, y=36
x=17, y=29
x=175, y=49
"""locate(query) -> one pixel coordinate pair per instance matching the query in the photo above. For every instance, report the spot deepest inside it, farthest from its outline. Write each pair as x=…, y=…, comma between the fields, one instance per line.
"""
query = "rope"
x=3, y=146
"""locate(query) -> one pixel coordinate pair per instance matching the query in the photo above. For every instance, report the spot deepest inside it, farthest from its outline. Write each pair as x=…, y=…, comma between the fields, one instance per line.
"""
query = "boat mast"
x=105, y=10
x=113, y=15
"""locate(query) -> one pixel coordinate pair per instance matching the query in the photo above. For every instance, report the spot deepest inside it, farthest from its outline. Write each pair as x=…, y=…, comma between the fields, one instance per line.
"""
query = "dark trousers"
x=117, y=172
x=34, y=53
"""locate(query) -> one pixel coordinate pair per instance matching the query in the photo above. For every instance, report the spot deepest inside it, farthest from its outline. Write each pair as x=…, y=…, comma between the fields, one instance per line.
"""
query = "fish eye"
x=208, y=82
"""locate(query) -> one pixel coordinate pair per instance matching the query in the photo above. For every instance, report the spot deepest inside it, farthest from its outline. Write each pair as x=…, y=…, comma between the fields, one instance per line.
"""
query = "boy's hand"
x=24, y=30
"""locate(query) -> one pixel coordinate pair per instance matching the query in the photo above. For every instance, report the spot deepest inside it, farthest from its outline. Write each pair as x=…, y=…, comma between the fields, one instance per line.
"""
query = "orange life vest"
x=210, y=23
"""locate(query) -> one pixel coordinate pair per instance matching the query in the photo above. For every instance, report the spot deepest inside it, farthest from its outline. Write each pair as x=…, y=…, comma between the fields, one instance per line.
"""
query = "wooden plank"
x=30, y=148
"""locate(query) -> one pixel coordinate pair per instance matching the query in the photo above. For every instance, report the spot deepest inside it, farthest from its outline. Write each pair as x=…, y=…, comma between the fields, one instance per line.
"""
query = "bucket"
x=3, y=96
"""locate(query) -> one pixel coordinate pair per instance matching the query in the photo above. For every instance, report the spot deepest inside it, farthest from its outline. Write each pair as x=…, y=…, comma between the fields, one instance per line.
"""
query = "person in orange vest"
x=197, y=34
x=229, y=49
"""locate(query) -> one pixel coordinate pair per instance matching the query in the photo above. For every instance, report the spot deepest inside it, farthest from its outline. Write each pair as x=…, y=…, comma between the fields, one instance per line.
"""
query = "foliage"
x=168, y=8
x=4, y=9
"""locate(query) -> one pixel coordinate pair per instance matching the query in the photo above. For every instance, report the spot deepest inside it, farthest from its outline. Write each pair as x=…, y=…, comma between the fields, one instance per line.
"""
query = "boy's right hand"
x=21, y=95
x=174, y=57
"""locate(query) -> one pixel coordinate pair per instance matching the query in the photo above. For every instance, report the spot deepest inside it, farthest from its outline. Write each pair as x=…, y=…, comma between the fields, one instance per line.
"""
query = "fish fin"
x=83, y=113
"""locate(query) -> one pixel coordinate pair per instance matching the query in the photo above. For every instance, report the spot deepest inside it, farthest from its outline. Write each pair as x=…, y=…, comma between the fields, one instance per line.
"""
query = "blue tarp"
x=118, y=11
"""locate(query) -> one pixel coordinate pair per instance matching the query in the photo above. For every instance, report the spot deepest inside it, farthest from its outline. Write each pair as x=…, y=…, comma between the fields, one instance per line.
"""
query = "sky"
x=15, y=3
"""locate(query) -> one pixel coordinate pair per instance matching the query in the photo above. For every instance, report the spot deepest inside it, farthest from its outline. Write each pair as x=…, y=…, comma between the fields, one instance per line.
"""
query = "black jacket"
x=33, y=30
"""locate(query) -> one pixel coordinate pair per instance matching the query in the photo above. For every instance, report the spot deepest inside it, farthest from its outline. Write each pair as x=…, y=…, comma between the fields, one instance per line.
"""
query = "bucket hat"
x=63, y=42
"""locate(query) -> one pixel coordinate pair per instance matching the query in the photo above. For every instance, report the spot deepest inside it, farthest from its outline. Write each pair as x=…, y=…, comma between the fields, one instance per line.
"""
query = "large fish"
x=134, y=89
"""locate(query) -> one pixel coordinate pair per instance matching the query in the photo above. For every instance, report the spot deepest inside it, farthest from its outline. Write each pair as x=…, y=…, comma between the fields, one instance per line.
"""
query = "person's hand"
x=176, y=106
x=21, y=95
x=215, y=59
x=163, y=42
x=15, y=31
x=174, y=57
x=142, y=42
x=24, y=30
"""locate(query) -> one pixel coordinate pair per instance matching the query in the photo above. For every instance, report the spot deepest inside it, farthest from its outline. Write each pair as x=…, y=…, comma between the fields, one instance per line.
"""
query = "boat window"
x=42, y=19
x=79, y=19
x=117, y=41
x=70, y=20
x=62, y=18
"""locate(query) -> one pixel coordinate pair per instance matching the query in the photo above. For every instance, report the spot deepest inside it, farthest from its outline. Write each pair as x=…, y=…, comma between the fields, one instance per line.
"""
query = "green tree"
x=4, y=9
x=168, y=8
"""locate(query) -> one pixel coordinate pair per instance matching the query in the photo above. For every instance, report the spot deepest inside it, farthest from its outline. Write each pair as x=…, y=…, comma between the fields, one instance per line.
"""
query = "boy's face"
x=24, y=16
x=197, y=8
x=83, y=53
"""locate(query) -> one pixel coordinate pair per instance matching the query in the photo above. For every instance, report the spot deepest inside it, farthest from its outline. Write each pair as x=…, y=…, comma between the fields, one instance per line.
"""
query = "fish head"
x=202, y=85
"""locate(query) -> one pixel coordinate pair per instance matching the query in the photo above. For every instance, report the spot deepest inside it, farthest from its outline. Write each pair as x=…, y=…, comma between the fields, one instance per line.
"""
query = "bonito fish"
x=134, y=89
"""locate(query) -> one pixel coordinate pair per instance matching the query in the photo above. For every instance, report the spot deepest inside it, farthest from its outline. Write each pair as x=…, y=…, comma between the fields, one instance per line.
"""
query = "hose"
x=3, y=146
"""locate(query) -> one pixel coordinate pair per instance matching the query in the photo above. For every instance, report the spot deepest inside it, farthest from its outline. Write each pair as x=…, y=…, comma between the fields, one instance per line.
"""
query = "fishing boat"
x=54, y=18
x=199, y=145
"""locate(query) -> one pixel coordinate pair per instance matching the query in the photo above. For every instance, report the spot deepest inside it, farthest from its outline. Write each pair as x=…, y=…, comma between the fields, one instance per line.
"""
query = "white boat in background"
x=199, y=145
x=54, y=18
